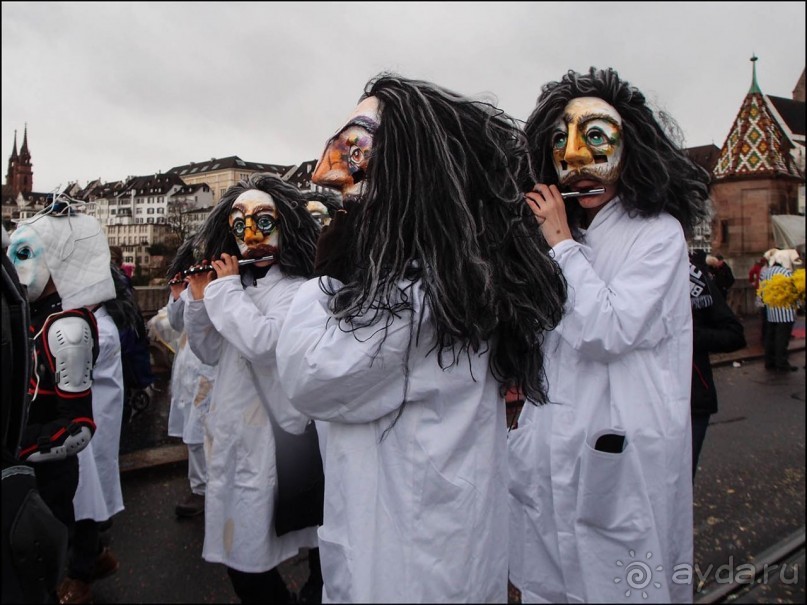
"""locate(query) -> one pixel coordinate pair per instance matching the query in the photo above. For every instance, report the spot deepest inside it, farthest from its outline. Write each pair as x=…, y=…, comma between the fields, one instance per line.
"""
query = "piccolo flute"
x=202, y=268
x=595, y=191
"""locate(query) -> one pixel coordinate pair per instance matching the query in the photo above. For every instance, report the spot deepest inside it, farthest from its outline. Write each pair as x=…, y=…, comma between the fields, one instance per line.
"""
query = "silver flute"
x=202, y=268
x=595, y=191
x=249, y=261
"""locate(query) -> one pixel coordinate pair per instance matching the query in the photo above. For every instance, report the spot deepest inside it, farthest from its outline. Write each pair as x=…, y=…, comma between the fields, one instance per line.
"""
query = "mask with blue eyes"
x=254, y=224
x=27, y=251
x=587, y=142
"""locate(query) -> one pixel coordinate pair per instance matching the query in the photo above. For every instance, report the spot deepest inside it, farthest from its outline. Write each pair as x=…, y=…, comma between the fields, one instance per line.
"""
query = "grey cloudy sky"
x=128, y=88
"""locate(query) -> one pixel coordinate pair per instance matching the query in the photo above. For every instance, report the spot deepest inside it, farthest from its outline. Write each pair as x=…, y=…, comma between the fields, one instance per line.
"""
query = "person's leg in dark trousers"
x=57, y=482
x=770, y=345
x=85, y=550
x=311, y=592
x=700, y=422
x=782, y=332
x=763, y=315
x=264, y=587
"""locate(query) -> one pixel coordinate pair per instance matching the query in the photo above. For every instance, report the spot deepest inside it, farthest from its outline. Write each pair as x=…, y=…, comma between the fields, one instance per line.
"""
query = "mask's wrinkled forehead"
x=343, y=164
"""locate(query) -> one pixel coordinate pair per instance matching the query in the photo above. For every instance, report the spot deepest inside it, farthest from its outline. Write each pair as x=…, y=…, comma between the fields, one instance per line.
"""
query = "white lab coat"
x=590, y=526
x=230, y=327
x=416, y=515
x=191, y=382
x=99, y=495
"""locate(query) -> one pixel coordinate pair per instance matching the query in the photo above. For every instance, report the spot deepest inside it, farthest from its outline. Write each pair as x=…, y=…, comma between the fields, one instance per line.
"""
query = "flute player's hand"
x=197, y=280
x=228, y=265
x=549, y=209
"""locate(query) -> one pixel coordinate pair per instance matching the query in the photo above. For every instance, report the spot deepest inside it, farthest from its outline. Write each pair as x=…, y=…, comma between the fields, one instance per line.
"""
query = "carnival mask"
x=587, y=144
x=343, y=164
x=319, y=212
x=254, y=224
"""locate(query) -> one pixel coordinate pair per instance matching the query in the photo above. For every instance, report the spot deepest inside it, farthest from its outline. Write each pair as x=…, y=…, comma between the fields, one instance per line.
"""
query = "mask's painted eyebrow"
x=587, y=117
x=260, y=208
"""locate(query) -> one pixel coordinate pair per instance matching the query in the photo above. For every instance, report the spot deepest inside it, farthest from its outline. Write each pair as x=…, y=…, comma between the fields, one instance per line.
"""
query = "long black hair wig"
x=443, y=206
x=298, y=230
x=656, y=173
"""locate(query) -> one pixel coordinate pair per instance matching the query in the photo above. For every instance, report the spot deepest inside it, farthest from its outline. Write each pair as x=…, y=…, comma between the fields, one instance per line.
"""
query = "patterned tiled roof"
x=759, y=142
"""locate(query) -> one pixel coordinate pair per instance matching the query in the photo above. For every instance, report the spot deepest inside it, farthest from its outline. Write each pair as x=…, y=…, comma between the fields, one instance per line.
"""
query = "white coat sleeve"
x=176, y=311
x=330, y=374
x=203, y=339
x=606, y=320
x=236, y=317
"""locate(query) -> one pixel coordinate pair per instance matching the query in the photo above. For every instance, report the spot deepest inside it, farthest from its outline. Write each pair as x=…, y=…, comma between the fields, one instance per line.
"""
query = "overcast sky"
x=113, y=89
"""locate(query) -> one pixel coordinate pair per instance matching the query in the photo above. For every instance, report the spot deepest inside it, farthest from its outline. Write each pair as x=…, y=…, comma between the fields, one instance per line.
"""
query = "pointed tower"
x=756, y=178
x=12, y=161
x=20, y=175
x=757, y=144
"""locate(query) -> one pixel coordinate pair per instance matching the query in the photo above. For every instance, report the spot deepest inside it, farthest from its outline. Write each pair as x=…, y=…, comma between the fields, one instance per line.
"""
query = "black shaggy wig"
x=656, y=174
x=443, y=204
x=298, y=230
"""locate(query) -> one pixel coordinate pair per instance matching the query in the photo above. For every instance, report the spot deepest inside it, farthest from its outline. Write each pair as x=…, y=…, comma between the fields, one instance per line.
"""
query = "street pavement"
x=749, y=496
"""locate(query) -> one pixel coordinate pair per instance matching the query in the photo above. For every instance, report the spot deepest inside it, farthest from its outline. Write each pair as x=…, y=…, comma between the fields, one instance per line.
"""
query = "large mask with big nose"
x=343, y=164
x=254, y=224
x=587, y=143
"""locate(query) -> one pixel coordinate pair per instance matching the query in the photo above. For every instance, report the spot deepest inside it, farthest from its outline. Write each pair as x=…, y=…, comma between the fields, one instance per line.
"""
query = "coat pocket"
x=612, y=496
x=617, y=537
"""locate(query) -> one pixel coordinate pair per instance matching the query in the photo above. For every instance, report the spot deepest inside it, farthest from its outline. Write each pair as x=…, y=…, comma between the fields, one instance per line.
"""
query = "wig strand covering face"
x=443, y=203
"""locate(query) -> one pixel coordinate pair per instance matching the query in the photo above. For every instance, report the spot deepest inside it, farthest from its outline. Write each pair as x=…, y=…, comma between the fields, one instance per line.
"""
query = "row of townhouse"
x=149, y=216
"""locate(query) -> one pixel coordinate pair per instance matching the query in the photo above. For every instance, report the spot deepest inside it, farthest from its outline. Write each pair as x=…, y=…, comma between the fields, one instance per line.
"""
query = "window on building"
x=724, y=231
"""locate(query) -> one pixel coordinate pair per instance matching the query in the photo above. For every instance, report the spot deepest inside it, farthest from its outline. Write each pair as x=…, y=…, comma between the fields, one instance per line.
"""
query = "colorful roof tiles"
x=758, y=144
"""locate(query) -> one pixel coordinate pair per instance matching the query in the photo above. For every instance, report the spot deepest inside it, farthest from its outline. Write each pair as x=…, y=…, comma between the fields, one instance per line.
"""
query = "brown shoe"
x=193, y=505
x=74, y=591
x=105, y=565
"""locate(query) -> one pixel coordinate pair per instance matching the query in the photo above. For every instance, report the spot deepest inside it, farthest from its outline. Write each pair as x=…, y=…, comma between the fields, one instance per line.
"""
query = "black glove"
x=335, y=246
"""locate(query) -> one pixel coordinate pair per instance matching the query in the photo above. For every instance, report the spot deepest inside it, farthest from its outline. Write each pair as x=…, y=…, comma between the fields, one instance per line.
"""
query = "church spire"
x=24, y=149
x=14, y=153
x=754, y=86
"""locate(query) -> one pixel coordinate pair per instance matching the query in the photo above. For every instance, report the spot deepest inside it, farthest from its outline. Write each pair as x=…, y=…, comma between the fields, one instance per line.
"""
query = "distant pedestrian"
x=191, y=390
x=716, y=329
x=780, y=318
x=722, y=274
